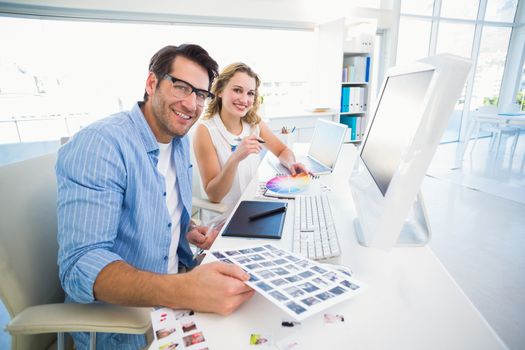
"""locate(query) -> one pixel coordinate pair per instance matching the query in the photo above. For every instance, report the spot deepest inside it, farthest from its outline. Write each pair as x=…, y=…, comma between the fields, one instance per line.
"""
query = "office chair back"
x=496, y=130
x=28, y=243
x=201, y=204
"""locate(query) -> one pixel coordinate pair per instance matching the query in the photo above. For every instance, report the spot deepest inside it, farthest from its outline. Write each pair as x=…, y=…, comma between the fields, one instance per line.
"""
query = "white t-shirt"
x=223, y=141
x=167, y=168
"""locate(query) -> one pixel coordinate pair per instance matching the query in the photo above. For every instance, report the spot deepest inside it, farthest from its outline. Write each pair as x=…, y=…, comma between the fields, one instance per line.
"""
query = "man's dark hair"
x=161, y=62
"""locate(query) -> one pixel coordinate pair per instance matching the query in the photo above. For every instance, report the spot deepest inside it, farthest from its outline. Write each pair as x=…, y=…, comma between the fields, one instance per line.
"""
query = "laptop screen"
x=326, y=142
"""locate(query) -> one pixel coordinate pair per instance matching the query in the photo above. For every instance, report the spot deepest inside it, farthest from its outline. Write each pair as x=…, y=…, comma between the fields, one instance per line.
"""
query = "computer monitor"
x=410, y=116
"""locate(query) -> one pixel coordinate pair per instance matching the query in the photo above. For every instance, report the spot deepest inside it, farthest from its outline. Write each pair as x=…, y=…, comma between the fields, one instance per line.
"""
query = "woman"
x=228, y=140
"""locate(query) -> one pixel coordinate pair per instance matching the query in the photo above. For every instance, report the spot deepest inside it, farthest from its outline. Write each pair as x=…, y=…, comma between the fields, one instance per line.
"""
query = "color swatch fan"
x=287, y=184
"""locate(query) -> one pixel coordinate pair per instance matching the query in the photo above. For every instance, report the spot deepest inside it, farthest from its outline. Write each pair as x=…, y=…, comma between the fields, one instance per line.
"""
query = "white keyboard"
x=314, y=230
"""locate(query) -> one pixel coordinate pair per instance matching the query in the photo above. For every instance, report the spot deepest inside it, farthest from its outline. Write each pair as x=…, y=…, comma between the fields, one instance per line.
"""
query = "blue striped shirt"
x=111, y=206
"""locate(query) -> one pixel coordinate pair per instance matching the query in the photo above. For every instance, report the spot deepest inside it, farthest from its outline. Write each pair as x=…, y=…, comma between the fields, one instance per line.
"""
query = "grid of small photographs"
x=299, y=286
x=176, y=329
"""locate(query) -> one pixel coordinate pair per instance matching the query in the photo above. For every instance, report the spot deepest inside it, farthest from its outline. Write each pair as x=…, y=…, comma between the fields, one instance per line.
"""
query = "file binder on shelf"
x=355, y=76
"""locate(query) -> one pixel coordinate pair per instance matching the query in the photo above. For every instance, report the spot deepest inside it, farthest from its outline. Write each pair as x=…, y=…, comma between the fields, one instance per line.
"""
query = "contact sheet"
x=299, y=286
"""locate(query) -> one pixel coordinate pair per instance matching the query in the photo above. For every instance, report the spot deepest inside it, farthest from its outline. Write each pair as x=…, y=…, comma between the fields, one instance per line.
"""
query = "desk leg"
x=463, y=145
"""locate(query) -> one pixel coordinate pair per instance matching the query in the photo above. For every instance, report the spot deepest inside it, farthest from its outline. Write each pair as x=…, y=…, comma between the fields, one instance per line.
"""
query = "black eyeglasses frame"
x=173, y=79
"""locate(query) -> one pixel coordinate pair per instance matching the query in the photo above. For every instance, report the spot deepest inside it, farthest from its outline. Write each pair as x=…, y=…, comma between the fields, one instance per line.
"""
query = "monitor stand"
x=415, y=231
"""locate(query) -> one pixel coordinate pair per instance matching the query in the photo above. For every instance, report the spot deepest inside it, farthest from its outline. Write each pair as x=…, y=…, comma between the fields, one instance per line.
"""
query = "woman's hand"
x=248, y=145
x=298, y=168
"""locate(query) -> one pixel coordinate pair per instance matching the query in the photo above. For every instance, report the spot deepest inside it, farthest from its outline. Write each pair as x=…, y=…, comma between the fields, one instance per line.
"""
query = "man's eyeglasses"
x=182, y=89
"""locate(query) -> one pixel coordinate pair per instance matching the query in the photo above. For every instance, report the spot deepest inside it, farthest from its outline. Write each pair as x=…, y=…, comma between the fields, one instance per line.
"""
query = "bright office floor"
x=477, y=215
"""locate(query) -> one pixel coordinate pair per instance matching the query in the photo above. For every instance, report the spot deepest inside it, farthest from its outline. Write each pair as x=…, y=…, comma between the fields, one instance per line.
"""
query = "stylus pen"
x=208, y=231
x=197, y=253
x=238, y=139
x=266, y=213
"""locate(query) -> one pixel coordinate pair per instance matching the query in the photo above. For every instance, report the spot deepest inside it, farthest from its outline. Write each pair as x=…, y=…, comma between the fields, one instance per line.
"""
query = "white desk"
x=411, y=303
x=502, y=119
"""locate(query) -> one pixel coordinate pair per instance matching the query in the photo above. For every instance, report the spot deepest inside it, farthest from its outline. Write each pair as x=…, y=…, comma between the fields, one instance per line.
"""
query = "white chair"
x=497, y=130
x=514, y=108
x=200, y=201
x=29, y=285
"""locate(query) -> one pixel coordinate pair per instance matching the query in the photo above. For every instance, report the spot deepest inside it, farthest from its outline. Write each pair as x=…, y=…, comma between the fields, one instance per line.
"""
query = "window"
x=417, y=7
x=520, y=99
x=58, y=76
x=467, y=9
x=455, y=38
x=501, y=10
x=489, y=69
x=458, y=27
x=414, y=38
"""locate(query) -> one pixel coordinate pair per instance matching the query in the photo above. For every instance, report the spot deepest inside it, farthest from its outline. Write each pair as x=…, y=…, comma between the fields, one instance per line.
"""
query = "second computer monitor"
x=412, y=112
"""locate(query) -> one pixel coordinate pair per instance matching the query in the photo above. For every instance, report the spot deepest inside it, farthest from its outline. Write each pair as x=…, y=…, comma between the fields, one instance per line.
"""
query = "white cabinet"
x=345, y=69
x=302, y=124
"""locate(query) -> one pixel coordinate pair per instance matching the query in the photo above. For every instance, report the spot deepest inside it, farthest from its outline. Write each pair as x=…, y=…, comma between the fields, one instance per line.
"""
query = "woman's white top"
x=224, y=141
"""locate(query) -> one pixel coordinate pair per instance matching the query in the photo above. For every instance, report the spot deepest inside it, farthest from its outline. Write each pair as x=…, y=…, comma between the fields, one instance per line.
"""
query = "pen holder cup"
x=288, y=139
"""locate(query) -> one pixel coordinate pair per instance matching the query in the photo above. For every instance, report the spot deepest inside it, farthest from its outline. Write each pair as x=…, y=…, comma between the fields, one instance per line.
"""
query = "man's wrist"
x=171, y=290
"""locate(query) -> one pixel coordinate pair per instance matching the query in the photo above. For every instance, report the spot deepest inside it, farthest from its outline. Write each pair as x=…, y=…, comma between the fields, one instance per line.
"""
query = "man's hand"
x=214, y=287
x=202, y=236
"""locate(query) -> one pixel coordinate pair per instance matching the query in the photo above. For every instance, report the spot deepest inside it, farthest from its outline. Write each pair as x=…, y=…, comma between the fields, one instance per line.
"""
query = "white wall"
x=266, y=13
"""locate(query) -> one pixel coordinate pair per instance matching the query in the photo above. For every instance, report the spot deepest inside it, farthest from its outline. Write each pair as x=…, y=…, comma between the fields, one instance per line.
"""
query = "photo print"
x=176, y=329
x=299, y=286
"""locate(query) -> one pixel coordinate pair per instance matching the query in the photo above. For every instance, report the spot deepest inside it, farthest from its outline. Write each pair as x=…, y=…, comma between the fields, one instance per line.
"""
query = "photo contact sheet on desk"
x=297, y=285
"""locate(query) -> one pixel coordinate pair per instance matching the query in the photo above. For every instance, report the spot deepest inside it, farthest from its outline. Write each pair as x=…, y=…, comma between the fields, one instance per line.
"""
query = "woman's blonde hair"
x=220, y=83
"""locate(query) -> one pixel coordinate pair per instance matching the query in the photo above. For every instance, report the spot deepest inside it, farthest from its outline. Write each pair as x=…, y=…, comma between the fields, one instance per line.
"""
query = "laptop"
x=324, y=149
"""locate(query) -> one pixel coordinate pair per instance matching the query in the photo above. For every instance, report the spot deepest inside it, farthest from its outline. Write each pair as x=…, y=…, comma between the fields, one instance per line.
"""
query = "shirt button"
x=169, y=225
x=164, y=194
x=165, y=258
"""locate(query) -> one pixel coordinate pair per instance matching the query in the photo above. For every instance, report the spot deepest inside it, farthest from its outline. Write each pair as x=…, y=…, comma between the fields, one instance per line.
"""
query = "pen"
x=197, y=253
x=238, y=139
x=266, y=213
x=208, y=231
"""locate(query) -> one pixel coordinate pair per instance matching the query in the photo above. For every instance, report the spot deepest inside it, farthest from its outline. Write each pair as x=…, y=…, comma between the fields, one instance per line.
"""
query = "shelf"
x=351, y=113
x=353, y=141
x=345, y=83
x=356, y=53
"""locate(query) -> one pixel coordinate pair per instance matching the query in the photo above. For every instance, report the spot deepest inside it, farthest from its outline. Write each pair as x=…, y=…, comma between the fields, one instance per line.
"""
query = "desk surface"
x=411, y=301
x=502, y=118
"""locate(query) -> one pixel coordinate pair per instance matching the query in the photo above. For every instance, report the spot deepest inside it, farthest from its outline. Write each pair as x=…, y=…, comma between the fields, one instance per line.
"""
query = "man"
x=124, y=203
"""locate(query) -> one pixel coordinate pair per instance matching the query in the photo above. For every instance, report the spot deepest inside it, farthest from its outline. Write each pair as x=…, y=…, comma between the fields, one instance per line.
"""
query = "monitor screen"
x=398, y=114
x=326, y=142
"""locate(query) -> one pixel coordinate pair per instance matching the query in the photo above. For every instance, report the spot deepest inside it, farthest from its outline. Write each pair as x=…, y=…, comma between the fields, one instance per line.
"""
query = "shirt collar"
x=146, y=135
